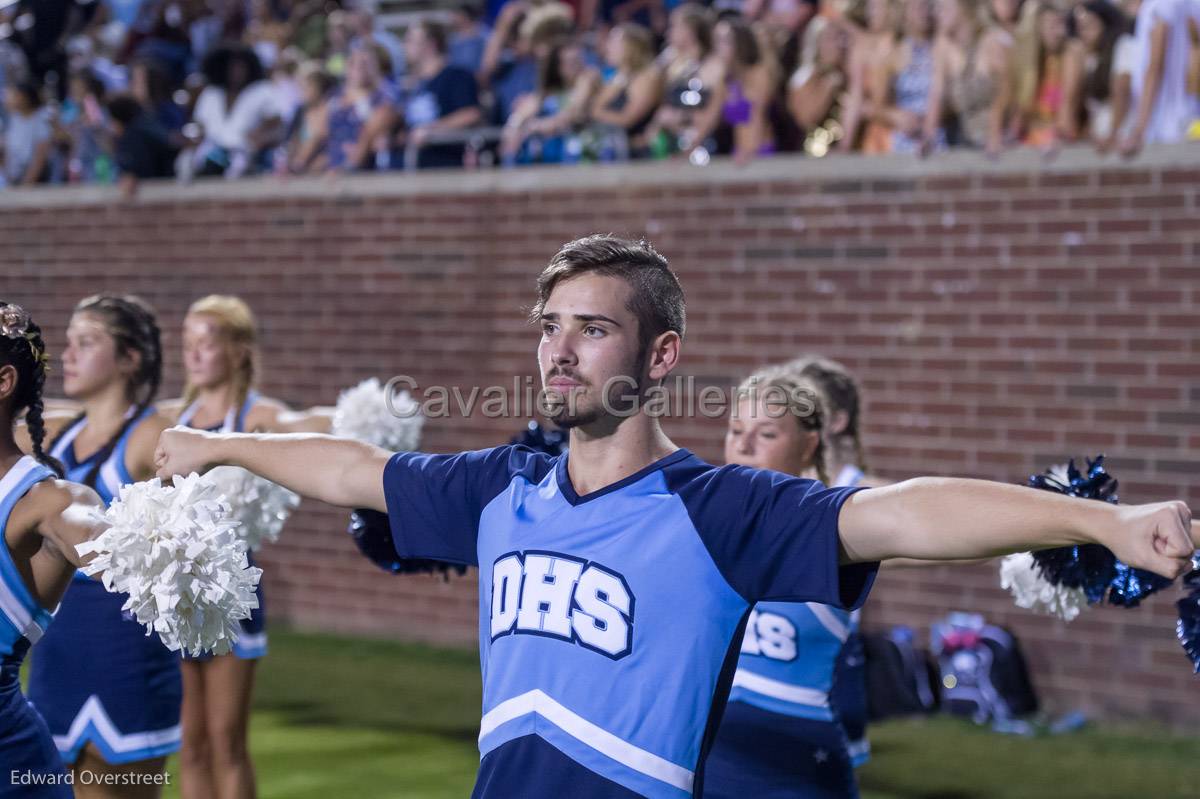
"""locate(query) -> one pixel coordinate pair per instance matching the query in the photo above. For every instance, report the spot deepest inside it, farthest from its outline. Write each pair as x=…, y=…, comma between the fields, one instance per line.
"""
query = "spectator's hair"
x=91, y=82
x=159, y=81
x=548, y=24
x=314, y=72
x=639, y=47
x=699, y=20
x=747, y=51
x=989, y=12
x=1097, y=82
x=840, y=392
x=893, y=16
x=217, y=64
x=1026, y=62
x=975, y=16
x=124, y=107
x=655, y=296
x=470, y=9
x=550, y=76
x=383, y=59
x=288, y=61
x=30, y=91
x=804, y=400
x=436, y=33
x=856, y=13
x=239, y=329
x=26, y=353
x=134, y=330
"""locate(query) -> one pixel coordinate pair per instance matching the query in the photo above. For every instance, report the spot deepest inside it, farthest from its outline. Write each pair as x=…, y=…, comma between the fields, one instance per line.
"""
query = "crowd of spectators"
x=105, y=90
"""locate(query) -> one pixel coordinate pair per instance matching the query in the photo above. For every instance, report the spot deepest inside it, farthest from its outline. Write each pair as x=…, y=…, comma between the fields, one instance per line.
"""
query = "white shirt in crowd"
x=1174, y=107
x=1100, y=112
x=230, y=127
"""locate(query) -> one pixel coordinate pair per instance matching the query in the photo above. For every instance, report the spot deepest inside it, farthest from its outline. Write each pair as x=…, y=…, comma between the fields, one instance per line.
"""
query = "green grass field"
x=370, y=719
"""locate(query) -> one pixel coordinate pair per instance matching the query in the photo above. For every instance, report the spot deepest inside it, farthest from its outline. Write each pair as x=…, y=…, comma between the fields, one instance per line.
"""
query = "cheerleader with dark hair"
x=109, y=693
x=36, y=559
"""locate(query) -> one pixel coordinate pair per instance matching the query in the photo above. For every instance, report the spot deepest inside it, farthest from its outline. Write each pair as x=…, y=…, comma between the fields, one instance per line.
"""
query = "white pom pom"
x=362, y=413
x=177, y=554
x=1020, y=575
x=259, y=506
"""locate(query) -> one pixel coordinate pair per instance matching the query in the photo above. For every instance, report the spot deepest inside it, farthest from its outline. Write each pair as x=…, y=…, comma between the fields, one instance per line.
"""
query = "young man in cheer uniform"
x=615, y=580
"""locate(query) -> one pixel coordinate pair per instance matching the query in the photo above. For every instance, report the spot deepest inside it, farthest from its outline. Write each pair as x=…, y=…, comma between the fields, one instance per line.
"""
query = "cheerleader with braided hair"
x=42, y=518
x=846, y=455
x=109, y=693
x=25, y=352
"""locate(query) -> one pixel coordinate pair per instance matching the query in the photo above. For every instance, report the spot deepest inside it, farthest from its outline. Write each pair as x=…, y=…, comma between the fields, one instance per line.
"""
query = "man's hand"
x=182, y=450
x=1157, y=537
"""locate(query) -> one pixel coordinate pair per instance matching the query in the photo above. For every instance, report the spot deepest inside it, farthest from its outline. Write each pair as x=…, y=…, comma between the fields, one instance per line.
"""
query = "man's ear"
x=663, y=355
x=838, y=422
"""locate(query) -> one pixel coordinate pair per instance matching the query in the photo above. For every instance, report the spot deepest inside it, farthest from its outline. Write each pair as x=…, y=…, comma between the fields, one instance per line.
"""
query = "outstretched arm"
x=334, y=470
x=952, y=519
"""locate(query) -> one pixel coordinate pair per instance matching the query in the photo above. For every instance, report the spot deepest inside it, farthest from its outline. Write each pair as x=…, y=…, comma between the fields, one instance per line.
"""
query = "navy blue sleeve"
x=434, y=501
x=774, y=536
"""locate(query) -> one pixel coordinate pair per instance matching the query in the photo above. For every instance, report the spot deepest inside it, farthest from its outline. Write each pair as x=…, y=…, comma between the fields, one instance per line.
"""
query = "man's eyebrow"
x=582, y=317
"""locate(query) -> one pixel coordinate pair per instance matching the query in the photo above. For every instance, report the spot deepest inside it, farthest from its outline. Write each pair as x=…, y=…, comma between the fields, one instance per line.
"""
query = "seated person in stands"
x=540, y=129
x=141, y=146
x=692, y=71
x=237, y=115
x=441, y=97
x=358, y=118
x=629, y=98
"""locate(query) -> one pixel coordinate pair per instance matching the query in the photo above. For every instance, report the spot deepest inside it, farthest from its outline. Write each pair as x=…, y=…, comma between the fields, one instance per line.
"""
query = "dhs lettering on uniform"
x=769, y=635
x=558, y=596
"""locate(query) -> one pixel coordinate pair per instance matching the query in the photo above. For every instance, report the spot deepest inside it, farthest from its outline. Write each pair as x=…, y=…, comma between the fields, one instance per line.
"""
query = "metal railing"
x=476, y=139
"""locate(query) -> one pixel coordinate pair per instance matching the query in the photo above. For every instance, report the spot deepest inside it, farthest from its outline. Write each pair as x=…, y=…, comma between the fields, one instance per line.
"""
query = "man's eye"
x=592, y=329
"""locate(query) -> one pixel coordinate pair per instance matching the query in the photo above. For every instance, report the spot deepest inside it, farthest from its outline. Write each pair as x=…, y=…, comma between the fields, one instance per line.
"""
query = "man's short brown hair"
x=655, y=297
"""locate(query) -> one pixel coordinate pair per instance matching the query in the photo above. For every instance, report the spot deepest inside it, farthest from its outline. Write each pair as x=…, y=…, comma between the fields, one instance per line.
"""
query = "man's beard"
x=565, y=418
x=624, y=394
x=566, y=410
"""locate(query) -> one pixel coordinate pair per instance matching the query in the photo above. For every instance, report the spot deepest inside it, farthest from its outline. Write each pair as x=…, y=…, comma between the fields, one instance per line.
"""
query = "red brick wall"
x=1001, y=318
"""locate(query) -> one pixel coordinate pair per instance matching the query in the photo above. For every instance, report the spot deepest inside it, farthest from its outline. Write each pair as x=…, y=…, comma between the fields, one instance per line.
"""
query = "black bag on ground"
x=901, y=681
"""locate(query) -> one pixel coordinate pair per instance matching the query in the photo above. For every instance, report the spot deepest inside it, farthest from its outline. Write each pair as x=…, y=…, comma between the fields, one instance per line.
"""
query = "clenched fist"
x=1159, y=537
x=182, y=450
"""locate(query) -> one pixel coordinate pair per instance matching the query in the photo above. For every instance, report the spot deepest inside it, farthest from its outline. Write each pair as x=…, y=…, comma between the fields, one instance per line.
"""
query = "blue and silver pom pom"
x=1091, y=567
x=1188, y=626
x=1056, y=580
